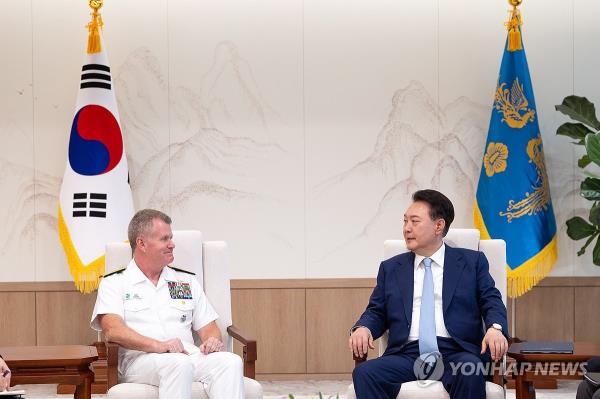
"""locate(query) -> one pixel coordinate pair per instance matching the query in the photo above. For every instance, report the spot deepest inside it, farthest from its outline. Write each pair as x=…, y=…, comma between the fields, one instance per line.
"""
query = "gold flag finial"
x=514, y=26
x=94, y=44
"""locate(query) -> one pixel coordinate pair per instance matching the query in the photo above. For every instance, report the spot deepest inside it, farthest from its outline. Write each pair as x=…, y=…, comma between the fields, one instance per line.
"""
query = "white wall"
x=296, y=130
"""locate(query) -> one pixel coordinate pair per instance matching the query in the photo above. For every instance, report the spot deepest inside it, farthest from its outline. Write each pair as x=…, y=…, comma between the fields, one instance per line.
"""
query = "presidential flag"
x=513, y=195
x=95, y=197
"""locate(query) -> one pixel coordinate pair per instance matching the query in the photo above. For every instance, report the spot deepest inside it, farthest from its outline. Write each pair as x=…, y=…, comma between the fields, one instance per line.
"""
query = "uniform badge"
x=179, y=290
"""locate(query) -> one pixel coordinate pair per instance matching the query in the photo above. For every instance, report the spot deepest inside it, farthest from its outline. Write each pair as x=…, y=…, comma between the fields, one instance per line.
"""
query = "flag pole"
x=513, y=317
x=514, y=44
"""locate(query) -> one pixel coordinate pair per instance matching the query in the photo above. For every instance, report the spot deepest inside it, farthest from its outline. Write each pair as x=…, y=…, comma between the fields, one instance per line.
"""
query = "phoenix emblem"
x=513, y=105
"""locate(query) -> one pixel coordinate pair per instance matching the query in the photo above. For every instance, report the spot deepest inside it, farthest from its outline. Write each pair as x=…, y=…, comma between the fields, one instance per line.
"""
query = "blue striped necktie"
x=428, y=348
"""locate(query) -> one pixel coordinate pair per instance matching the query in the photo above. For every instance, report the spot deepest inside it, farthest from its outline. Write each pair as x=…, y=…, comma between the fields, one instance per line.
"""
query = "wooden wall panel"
x=17, y=318
x=276, y=318
x=546, y=314
x=64, y=318
x=330, y=312
x=587, y=324
x=301, y=325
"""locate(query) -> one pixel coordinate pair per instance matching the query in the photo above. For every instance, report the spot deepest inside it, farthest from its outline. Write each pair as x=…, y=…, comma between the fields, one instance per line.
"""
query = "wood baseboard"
x=296, y=377
x=540, y=384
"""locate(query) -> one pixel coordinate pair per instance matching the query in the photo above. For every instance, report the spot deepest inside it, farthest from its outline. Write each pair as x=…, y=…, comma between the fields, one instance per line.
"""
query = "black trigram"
x=95, y=207
x=95, y=75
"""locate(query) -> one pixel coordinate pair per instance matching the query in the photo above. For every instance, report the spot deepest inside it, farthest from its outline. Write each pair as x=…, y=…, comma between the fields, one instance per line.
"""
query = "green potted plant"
x=586, y=132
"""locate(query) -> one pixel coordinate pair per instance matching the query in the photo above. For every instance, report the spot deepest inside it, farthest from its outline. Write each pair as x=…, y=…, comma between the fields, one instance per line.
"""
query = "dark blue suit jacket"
x=469, y=295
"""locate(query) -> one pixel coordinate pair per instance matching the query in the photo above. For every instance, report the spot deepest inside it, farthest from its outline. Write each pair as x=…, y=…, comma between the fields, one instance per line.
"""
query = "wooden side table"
x=548, y=366
x=66, y=364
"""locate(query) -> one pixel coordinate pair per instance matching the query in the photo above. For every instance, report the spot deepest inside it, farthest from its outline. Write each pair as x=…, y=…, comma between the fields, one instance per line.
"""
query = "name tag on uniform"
x=179, y=290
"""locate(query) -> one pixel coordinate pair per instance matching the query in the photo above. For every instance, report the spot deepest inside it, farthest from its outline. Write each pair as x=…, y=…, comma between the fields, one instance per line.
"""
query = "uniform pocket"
x=182, y=310
x=135, y=305
x=182, y=305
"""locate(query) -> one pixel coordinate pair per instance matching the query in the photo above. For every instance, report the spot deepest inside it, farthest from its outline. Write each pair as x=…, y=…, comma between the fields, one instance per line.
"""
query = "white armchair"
x=495, y=252
x=208, y=260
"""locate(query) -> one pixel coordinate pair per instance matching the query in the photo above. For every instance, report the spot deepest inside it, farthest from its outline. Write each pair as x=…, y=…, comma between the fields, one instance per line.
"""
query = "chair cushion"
x=434, y=390
x=252, y=389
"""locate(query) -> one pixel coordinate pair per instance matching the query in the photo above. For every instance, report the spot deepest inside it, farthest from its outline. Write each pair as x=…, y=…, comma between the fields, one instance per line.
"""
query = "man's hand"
x=495, y=340
x=210, y=335
x=4, y=376
x=171, y=346
x=212, y=344
x=360, y=341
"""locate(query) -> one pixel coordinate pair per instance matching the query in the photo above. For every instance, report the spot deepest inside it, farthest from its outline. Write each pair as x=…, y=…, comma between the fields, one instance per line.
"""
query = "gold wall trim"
x=236, y=284
x=589, y=281
x=38, y=286
x=303, y=283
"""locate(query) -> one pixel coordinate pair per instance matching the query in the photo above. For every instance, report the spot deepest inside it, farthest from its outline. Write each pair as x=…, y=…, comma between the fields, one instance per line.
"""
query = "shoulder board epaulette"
x=181, y=270
x=115, y=272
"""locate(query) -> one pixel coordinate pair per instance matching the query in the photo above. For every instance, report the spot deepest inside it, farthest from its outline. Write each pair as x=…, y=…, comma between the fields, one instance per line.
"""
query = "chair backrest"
x=208, y=260
x=494, y=250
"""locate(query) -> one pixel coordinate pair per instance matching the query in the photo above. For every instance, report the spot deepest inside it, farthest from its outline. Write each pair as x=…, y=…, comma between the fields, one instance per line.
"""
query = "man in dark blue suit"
x=444, y=314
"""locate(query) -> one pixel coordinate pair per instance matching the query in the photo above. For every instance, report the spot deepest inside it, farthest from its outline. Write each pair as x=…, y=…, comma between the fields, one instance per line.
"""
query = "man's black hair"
x=440, y=207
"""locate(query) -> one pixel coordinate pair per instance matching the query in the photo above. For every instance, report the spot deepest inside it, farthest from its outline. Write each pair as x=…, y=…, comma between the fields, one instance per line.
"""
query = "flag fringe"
x=514, y=30
x=86, y=277
x=530, y=272
x=479, y=223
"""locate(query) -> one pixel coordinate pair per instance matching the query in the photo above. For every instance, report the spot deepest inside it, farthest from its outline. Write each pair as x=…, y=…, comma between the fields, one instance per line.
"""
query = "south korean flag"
x=95, y=198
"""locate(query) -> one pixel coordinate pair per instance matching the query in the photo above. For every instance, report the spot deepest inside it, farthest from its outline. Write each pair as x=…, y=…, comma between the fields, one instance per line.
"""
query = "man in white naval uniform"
x=150, y=309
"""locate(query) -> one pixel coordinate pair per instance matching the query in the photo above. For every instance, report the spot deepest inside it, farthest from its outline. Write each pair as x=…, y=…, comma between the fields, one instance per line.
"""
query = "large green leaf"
x=581, y=110
x=595, y=214
x=577, y=228
x=590, y=189
x=592, y=147
x=574, y=130
x=596, y=254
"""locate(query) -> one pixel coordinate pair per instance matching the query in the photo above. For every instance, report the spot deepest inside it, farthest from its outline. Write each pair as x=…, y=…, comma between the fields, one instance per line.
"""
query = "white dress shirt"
x=437, y=269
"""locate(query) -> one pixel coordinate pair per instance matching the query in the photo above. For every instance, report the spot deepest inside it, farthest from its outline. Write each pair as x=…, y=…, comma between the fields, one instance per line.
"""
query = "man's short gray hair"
x=141, y=223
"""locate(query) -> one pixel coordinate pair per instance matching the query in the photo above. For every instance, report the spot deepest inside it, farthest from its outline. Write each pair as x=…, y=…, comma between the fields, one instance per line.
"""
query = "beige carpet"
x=306, y=390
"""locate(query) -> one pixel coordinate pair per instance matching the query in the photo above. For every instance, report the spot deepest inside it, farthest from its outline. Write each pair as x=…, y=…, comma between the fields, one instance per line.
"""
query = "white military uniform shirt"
x=171, y=309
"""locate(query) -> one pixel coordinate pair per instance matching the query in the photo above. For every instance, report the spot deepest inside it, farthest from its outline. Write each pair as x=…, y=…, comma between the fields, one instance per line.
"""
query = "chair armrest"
x=359, y=360
x=112, y=363
x=499, y=372
x=249, y=350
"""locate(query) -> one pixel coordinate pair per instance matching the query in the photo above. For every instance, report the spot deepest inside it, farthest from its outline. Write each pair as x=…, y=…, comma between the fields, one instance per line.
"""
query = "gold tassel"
x=514, y=30
x=94, y=43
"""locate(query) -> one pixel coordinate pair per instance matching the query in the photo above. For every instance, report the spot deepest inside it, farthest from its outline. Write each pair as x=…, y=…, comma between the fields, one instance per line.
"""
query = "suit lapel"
x=406, y=277
x=454, y=265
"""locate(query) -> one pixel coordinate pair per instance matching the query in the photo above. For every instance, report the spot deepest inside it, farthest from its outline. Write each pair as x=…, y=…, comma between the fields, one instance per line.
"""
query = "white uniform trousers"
x=173, y=373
